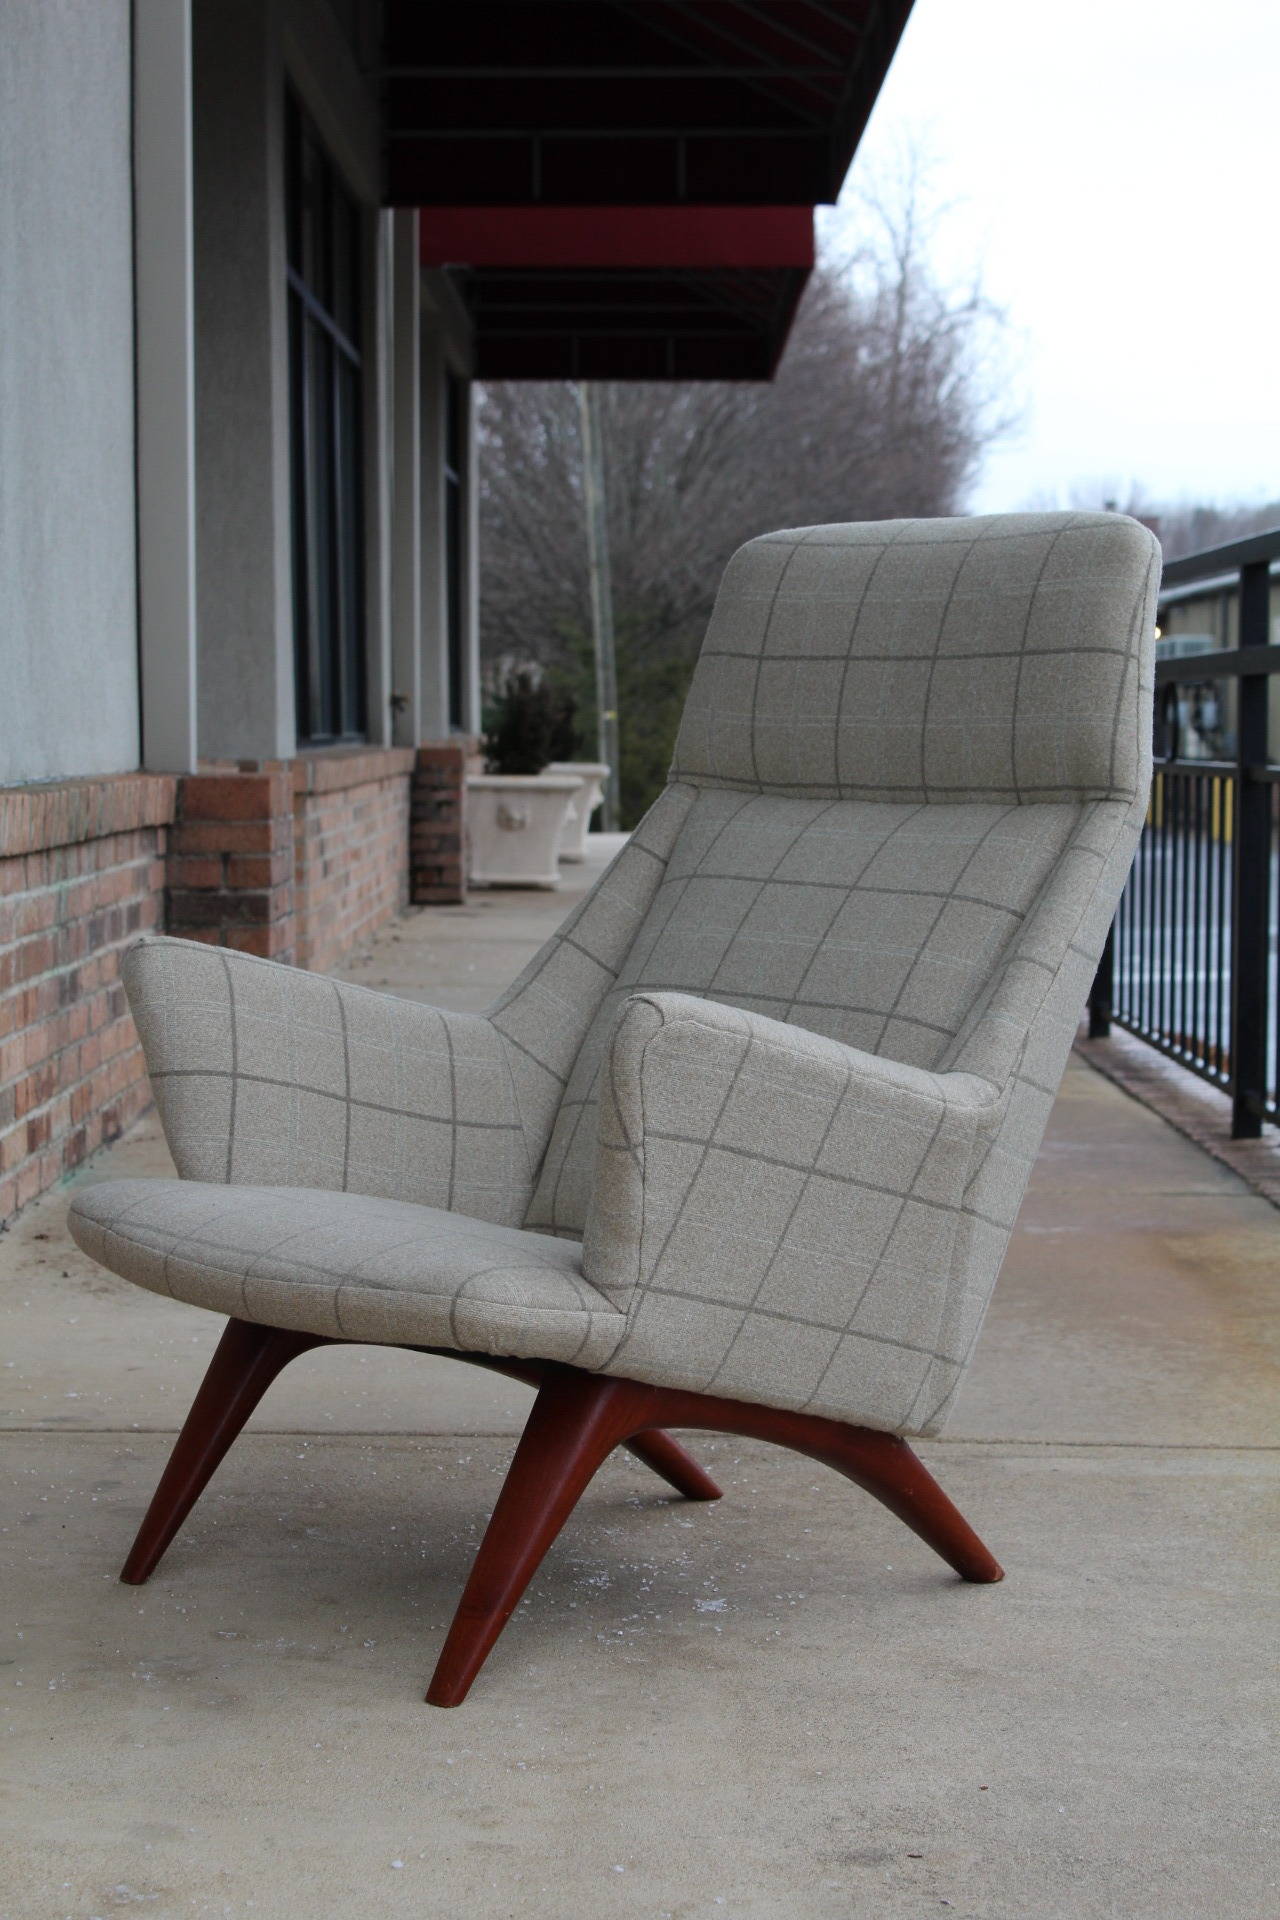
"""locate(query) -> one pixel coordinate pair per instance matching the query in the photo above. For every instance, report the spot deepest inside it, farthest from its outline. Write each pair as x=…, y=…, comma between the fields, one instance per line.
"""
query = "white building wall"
x=164, y=372
x=69, y=534
x=68, y=616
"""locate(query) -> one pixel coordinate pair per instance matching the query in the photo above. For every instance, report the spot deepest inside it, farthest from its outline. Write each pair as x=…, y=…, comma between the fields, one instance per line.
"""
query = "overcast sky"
x=1114, y=166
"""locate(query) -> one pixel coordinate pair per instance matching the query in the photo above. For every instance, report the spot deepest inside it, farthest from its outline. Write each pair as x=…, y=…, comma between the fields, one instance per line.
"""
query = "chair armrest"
x=265, y=1075
x=763, y=1192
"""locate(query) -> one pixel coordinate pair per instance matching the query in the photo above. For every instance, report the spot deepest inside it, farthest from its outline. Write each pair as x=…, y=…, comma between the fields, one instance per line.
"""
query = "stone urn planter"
x=573, y=835
x=514, y=823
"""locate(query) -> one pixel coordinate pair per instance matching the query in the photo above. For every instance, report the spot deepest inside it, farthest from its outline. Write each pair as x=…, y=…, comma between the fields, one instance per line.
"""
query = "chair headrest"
x=999, y=657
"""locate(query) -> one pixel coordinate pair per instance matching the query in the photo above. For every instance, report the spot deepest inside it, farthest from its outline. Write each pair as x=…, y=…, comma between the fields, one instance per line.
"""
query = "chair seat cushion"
x=351, y=1267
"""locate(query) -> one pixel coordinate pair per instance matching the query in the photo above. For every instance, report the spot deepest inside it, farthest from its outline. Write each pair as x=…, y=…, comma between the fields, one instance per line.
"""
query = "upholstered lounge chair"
x=743, y=1146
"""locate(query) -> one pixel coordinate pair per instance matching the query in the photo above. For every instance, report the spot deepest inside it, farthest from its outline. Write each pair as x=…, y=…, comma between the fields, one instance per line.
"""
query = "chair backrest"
x=910, y=748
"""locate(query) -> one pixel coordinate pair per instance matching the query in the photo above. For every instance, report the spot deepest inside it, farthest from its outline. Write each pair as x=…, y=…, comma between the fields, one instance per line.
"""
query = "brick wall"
x=437, y=825
x=81, y=873
x=350, y=848
x=231, y=860
x=295, y=860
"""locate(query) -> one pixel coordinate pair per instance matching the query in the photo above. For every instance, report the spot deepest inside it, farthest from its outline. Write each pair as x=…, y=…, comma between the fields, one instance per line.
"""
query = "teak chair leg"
x=579, y=1418
x=576, y=1421
x=671, y=1463
x=658, y=1451
x=247, y=1359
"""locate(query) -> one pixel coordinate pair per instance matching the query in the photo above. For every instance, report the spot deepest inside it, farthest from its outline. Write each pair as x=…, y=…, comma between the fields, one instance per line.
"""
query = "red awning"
x=624, y=293
x=603, y=237
x=625, y=191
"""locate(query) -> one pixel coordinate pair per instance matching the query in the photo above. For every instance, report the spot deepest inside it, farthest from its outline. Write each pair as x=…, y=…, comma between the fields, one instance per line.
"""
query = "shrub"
x=523, y=725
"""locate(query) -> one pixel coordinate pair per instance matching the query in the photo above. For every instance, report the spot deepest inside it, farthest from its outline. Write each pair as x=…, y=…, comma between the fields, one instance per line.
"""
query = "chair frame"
x=575, y=1423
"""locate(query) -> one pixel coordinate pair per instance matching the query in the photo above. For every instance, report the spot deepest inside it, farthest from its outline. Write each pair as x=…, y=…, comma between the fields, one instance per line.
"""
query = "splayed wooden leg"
x=246, y=1361
x=668, y=1459
x=658, y=1451
x=576, y=1421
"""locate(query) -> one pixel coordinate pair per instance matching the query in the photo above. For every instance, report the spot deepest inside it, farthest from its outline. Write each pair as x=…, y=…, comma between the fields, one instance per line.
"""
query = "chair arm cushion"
x=265, y=1075
x=761, y=1189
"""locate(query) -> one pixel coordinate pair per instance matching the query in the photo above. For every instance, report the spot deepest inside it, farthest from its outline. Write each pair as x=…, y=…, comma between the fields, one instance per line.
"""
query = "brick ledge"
x=1189, y=1104
x=335, y=768
x=326, y=769
x=62, y=813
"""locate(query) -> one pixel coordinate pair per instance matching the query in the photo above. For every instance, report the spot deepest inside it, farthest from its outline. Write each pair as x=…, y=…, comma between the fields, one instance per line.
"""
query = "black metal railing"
x=1191, y=964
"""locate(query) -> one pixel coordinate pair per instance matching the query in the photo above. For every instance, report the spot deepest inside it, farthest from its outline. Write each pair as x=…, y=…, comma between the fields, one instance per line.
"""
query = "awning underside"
x=617, y=325
x=629, y=102
x=624, y=188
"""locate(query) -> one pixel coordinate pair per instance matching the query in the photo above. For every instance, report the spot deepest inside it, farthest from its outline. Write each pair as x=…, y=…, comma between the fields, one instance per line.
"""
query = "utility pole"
x=593, y=495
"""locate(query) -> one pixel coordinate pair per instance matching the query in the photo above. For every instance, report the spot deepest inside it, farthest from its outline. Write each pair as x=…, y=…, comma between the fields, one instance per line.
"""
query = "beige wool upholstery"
x=352, y=1267
x=758, y=1120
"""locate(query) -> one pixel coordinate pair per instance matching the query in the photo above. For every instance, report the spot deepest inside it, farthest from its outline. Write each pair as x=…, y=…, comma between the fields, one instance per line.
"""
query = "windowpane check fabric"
x=351, y=1267
x=759, y=1119
x=992, y=658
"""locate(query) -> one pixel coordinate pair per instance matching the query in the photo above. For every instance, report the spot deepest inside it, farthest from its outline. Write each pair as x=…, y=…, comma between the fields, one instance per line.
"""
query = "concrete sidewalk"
x=780, y=1705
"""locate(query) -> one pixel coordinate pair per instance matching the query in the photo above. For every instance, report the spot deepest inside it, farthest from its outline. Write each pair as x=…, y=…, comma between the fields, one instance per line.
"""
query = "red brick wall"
x=351, y=848
x=295, y=860
x=231, y=860
x=81, y=873
x=437, y=825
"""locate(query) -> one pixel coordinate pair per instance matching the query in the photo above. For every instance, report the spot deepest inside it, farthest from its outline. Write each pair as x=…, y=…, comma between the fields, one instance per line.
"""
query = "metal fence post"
x=1251, y=870
x=1101, y=990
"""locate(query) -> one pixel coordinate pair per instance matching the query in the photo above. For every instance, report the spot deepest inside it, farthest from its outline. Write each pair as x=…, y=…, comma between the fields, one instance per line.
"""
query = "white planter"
x=514, y=823
x=573, y=836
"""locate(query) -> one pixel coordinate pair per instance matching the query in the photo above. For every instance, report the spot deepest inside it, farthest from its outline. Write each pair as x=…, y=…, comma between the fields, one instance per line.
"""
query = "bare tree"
x=1189, y=526
x=1182, y=526
x=882, y=407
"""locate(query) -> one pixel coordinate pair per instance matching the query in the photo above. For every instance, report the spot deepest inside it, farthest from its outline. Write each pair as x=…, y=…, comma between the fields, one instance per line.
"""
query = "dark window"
x=455, y=430
x=325, y=408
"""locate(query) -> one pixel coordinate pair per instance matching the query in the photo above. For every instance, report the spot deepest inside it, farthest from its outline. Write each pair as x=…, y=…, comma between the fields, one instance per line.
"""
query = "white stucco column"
x=406, y=559
x=379, y=451
x=434, y=651
x=447, y=353
x=243, y=551
x=471, y=582
x=165, y=391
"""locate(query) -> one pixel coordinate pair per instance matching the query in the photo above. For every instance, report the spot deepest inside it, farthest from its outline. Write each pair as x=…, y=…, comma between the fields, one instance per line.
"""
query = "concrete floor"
x=780, y=1705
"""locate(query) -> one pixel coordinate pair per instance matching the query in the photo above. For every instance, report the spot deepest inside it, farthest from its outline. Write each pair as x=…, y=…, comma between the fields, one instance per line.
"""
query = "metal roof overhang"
x=634, y=293
x=625, y=188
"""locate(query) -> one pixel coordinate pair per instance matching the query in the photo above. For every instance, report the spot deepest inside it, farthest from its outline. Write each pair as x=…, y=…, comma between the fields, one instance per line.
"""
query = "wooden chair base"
x=245, y=1362
x=575, y=1423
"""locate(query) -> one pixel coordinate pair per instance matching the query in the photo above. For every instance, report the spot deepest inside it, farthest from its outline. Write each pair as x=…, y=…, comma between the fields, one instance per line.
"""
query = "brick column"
x=437, y=825
x=230, y=866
